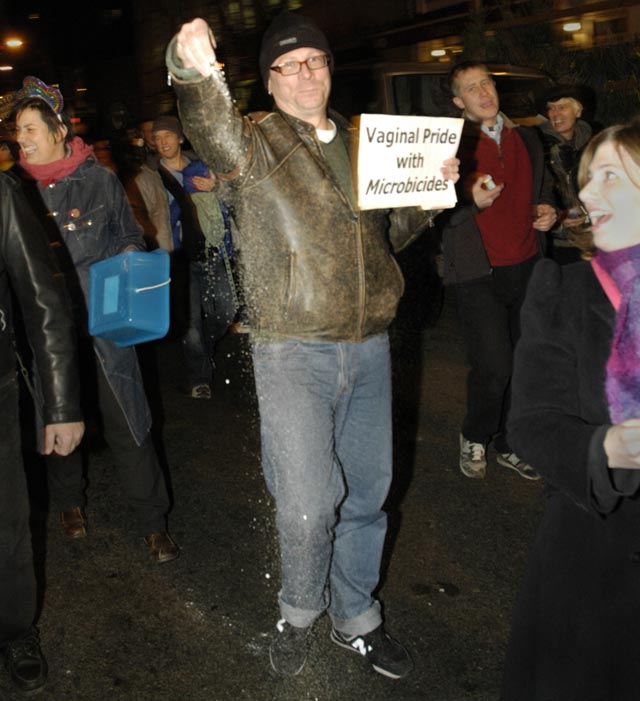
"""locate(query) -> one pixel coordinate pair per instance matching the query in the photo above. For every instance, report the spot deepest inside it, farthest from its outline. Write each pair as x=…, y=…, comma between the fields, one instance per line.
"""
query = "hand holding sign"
x=400, y=161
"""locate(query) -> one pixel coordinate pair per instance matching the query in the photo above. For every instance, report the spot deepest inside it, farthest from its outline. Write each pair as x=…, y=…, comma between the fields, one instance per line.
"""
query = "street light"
x=14, y=43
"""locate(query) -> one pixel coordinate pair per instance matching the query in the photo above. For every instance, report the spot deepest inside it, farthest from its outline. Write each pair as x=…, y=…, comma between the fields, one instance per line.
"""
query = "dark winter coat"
x=313, y=266
x=576, y=627
x=465, y=258
x=563, y=159
x=28, y=268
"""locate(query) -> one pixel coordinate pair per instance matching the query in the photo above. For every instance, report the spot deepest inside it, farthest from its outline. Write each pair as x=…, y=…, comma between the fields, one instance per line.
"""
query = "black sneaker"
x=25, y=663
x=513, y=462
x=289, y=648
x=385, y=654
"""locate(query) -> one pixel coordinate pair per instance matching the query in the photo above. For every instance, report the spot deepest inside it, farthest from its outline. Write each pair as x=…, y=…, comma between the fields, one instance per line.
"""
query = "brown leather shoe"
x=161, y=547
x=74, y=522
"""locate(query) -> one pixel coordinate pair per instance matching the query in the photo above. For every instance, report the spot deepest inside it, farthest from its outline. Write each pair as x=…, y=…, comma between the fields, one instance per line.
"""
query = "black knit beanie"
x=288, y=32
x=168, y=123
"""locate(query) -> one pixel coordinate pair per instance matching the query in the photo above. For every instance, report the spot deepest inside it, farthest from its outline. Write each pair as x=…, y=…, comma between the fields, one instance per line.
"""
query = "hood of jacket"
x=583, y=134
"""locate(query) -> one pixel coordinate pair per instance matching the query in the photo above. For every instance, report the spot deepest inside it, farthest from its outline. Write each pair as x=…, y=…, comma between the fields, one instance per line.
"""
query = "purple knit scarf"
x=623, y=366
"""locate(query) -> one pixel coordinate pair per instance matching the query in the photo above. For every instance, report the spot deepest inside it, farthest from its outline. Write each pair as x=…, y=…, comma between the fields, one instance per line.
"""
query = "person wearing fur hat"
x=321, y=287
x=565, y=136
x=88, y=219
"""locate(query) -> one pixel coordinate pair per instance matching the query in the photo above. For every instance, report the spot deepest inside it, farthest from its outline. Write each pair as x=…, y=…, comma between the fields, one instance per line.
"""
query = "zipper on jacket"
x=291, y=286
x=500, y=154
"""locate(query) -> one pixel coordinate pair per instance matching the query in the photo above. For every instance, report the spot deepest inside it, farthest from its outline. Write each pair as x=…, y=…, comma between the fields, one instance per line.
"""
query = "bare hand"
x=204, y=184
x=482, y=197
x=62, y=438
x=450, y=169
x=195, y=46
x=544, y=217
x=622, y=444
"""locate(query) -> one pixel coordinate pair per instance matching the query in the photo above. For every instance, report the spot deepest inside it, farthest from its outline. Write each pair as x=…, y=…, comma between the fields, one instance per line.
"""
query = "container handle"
x=152, y=287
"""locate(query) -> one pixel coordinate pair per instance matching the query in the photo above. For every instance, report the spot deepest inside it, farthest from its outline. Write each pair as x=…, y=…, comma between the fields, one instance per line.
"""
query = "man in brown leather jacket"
x=322, y=287
x=27, y=268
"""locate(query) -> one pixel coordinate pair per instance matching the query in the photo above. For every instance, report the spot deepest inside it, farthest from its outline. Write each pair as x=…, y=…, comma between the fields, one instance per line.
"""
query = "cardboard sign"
x=399, y=161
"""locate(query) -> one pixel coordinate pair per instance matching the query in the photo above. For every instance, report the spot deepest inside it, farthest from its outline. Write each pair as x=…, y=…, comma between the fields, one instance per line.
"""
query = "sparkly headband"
x=34, y=87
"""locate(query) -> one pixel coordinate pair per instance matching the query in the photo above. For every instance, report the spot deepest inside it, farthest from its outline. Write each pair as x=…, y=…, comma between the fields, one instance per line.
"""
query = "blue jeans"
x=211, y=311
x=325, y=412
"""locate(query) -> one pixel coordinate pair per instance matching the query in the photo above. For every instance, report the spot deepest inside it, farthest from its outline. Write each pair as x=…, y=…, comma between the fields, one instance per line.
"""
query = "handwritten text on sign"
x=399, y=161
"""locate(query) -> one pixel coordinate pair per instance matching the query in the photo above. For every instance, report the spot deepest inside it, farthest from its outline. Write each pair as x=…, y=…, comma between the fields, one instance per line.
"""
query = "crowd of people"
x=542, y=250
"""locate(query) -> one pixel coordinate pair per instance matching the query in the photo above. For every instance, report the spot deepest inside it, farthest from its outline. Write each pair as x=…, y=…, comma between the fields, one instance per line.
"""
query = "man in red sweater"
x=490, y=247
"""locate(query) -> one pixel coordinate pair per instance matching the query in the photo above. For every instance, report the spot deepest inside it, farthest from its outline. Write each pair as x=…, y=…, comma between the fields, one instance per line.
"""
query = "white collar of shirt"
x=496, y=131
x=326, y=136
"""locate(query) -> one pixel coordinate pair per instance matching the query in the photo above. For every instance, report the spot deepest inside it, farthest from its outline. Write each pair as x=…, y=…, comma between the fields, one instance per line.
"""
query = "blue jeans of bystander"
x=211, y=311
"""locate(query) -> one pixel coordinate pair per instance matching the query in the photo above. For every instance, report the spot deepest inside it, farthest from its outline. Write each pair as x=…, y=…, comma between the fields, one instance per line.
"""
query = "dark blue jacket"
x=94, y=221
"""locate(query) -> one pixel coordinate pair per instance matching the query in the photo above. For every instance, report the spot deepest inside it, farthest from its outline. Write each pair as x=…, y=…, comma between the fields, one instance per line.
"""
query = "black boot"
x=25, y=662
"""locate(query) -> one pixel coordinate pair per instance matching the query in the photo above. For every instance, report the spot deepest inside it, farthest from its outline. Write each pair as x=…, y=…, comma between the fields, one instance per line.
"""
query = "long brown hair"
x=622, y=136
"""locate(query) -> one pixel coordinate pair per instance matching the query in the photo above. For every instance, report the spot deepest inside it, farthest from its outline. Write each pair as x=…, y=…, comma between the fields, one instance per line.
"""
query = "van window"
x=356, y=91
x=427, y=95
x=390, y=89
x=421, y=95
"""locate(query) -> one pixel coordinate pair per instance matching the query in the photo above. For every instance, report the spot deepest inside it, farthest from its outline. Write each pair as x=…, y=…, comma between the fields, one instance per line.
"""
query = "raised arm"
x=211, y=121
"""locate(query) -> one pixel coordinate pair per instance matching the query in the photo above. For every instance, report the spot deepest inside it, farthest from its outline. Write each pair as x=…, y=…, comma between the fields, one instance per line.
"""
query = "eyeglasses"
x=313, y=63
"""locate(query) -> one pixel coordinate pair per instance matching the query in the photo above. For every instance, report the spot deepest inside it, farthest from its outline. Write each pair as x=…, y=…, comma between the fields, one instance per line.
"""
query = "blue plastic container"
x=129, y=297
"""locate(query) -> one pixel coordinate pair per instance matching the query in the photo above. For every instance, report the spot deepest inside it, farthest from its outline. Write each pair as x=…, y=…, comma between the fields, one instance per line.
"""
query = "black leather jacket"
x=27, y=267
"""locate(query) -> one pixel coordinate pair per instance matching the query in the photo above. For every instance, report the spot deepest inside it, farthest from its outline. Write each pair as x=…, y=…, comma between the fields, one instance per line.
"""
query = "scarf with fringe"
x=623, y=365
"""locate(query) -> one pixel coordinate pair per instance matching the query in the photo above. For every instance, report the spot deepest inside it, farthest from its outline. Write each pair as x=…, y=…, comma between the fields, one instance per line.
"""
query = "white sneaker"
x=512, y=461
x=473, y=459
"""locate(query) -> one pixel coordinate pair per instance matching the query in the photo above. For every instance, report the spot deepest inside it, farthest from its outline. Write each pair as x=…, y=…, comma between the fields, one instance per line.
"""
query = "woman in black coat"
x=575, y=417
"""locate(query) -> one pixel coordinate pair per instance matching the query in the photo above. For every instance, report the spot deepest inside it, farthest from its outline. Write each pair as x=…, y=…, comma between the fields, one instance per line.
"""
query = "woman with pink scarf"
x=576, y=418
x=89, y=219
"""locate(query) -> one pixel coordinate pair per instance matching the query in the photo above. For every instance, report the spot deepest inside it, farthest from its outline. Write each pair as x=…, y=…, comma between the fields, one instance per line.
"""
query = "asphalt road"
x=116, y=626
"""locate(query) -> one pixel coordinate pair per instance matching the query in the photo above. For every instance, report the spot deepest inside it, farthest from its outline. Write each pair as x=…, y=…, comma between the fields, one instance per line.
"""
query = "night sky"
x=65, y=37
